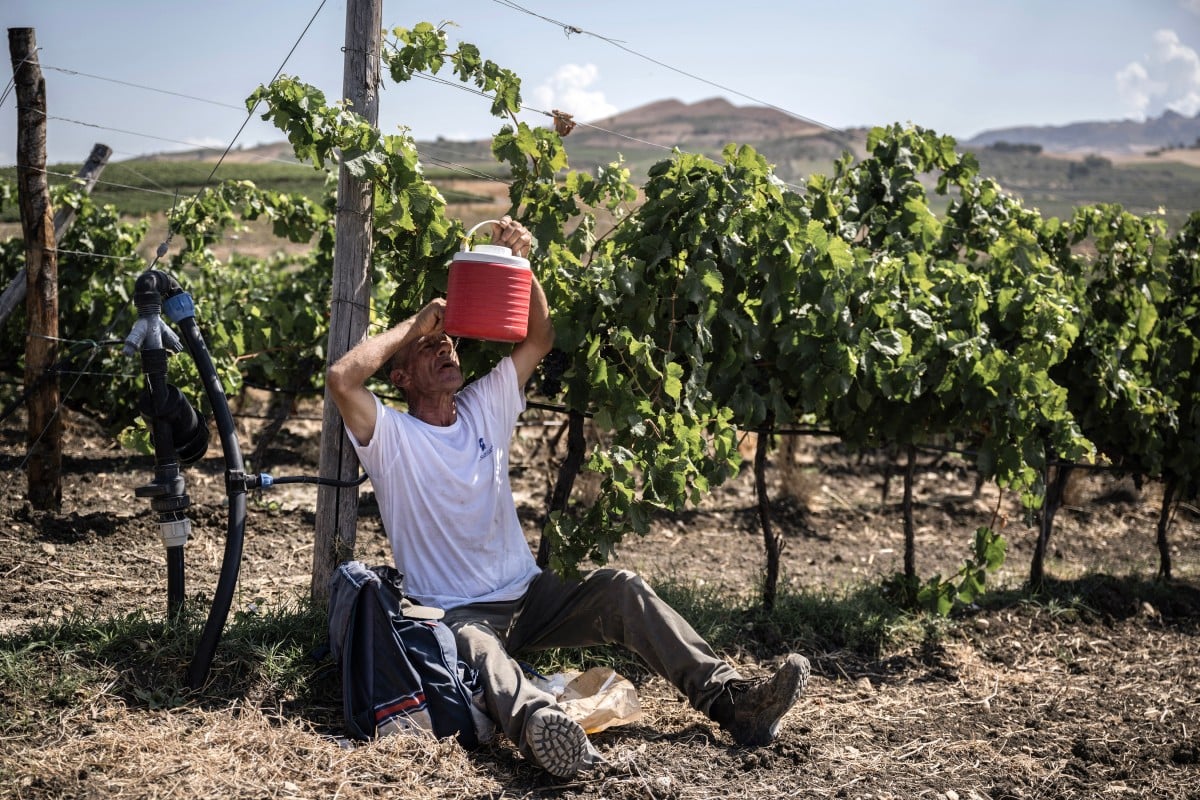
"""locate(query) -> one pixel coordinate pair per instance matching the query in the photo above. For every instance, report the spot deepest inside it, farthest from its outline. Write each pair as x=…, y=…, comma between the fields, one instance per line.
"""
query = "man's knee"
x=476, y=642
x=623, y=585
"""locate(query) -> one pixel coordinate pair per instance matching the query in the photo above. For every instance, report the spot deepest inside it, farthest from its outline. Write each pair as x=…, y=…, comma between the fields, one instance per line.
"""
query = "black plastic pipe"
x=167, y=478
x=179, y=308
x=235, y=489
x=175, y=593
x=166, y=491
x=265, y=481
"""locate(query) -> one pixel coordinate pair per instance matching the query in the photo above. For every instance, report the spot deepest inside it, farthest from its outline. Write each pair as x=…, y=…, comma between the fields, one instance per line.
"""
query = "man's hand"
x=429, y=320
x=513, y=235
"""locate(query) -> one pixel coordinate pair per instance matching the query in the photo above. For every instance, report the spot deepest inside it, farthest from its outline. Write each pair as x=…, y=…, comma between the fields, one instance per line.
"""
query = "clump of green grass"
x=263, y=658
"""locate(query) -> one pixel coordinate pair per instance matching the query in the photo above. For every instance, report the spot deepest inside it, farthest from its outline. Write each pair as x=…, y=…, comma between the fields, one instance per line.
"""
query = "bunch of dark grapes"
x=553, y=367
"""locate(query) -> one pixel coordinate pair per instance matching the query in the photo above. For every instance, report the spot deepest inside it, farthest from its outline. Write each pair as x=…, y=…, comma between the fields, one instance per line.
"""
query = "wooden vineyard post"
x=44, y=462
x=337, y=508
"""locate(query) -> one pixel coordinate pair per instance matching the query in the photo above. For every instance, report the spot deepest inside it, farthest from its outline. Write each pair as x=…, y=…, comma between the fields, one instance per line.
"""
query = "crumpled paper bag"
x=597, y=699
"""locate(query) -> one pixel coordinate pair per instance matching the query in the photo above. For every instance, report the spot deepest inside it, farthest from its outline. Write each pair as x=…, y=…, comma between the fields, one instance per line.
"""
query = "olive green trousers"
x=606, y=606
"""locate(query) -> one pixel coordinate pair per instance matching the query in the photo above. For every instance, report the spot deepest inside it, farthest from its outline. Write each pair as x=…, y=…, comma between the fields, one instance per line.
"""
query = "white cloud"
x=1167, y=78
x=568, y=90
x=1136, y=88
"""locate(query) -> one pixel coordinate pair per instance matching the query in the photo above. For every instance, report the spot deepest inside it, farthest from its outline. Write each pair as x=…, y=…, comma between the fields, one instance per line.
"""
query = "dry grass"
x=104, y=749
x=1021, y=701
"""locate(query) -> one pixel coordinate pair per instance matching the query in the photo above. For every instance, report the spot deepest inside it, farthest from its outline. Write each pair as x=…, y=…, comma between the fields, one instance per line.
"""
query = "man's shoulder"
x=494, y=380
x=391, y=417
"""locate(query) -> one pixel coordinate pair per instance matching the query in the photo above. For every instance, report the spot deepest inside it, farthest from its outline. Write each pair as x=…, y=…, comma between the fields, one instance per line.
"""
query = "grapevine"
x=714, y=300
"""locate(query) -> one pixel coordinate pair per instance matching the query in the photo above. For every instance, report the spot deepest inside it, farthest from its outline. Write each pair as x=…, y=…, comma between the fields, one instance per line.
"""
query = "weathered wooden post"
x=44, y=463
x=337, y=508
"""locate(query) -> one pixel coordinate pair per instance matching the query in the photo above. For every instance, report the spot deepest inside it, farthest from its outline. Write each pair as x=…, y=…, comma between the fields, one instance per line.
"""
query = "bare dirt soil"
x=1090, y=691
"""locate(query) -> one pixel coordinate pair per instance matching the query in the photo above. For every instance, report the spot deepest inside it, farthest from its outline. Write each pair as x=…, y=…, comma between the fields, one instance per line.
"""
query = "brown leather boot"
x=751, y=711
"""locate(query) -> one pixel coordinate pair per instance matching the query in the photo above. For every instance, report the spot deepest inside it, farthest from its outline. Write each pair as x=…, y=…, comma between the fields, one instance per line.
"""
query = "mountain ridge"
x=1171, y=130
x=764, y=123
x=711, y=123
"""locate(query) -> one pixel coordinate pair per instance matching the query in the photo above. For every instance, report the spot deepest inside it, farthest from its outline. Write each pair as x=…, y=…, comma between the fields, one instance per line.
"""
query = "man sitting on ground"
x=440, y=474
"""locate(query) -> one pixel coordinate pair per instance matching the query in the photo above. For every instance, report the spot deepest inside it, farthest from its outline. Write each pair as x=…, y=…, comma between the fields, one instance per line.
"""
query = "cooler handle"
x=466, y=245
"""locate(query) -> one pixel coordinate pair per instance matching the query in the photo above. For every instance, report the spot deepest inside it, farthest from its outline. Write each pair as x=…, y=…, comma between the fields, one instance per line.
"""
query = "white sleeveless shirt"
x=445, y=497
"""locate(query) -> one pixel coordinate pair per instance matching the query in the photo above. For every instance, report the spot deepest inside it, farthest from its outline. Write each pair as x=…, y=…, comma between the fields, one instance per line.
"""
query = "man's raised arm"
x=539, y=336
x=346, y=379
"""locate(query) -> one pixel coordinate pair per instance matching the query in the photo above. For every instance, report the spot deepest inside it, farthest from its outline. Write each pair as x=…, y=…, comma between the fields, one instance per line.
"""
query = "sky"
x=148, y=76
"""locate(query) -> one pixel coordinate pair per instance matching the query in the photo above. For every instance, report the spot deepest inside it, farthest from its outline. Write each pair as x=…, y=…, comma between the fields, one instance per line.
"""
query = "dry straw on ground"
x=1090, y=691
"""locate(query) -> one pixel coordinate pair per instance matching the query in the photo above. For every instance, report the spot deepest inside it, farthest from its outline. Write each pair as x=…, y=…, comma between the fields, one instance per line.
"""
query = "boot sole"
x=557, y=743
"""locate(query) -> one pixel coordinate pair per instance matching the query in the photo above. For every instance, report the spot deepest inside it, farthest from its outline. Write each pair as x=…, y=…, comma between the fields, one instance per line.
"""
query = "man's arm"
x=539, y=337
x=346, y=379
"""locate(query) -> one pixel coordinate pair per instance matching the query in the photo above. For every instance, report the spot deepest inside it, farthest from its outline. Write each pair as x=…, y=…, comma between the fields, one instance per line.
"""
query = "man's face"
x=431, y=367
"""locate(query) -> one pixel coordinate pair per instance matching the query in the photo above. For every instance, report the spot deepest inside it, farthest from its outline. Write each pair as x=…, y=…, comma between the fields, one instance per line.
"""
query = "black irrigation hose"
x=266, y=481
x=235, y=490
x=179, y=307
x=175, y=579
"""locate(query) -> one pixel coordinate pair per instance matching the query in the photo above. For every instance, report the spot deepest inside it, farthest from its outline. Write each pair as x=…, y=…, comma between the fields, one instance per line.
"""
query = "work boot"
x=557, y=742
x=751, y=711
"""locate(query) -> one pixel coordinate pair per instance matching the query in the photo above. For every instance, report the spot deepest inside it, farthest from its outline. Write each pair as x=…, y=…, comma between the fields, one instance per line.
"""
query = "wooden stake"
x=44, y=462
x=337, y=508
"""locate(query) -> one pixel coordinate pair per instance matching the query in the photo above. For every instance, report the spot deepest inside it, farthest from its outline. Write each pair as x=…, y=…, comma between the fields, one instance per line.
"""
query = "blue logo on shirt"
x=485, y=449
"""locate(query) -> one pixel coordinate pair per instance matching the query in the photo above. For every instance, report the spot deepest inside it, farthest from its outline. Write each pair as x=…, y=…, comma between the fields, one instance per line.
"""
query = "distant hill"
x=646, y=135
x=708, y=123
x=1125, y=137
x=274, y=151
x=1143, y=166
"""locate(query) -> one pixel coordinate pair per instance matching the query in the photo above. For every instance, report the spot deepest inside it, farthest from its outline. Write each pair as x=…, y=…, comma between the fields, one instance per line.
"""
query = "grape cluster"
x=553, y=366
